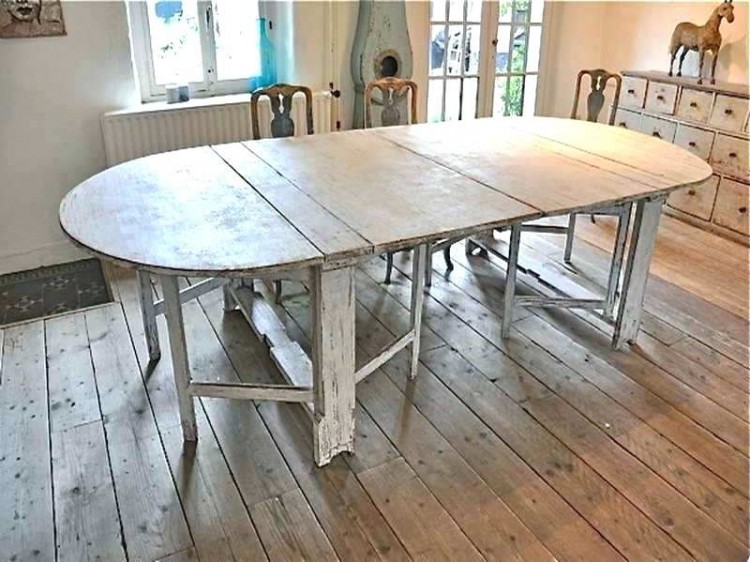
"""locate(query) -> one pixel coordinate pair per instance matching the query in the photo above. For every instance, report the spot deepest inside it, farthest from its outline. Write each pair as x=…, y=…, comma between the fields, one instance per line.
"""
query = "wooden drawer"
x=731, y=210
x=695, y=140
x=730, y=156
x=729, y=113
x=694, y=105
x=628, y=119
x=661, y=98
x=659, y=128
x=633, y=92
x=697, y=201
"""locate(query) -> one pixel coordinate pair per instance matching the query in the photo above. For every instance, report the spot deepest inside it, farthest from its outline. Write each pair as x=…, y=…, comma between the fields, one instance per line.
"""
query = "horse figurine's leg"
x=671, y=62
x=683, y=54
x=700, y=66
x=715, y=55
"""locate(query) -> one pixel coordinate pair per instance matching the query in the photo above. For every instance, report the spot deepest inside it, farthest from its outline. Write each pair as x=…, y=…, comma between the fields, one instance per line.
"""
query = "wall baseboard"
x=49, y=254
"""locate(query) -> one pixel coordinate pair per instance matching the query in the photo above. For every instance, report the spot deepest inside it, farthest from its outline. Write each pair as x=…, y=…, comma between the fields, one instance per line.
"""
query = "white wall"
x=52, y=92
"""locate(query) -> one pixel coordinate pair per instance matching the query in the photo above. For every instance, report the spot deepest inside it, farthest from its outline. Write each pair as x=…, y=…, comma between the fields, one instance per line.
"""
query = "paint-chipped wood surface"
x=546, y=446
x=294, y=202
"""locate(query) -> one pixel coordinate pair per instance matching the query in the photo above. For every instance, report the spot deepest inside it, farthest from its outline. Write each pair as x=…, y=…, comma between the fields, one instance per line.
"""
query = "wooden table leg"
x=510, y=279
x=643, y=240
x=419, y=259
x=180, y=364
x=146, y=296
x=333, y=361
x=615, y=267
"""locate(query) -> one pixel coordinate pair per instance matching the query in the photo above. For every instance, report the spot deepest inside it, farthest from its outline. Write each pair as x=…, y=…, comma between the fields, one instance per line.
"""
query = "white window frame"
x=143, y=59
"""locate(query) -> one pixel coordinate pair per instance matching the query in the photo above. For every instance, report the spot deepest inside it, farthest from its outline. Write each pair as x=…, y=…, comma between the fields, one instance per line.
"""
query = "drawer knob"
x=660, y=97
x=693, y=104
x=733, y=155
x=631, y=91
x=728, y=111
x=692, y=144
x=691, y=192
x=742, y=210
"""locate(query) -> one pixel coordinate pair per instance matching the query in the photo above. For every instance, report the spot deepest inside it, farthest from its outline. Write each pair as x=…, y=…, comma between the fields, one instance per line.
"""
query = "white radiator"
x=130, y=134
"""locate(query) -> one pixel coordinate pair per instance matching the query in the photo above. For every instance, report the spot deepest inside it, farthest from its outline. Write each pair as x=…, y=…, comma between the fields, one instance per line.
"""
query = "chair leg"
x=427, y=265
x=447, y=257
x=388, y=266
x=569, y=238
x=618, y=256
x=510, y=280
x=277, y=289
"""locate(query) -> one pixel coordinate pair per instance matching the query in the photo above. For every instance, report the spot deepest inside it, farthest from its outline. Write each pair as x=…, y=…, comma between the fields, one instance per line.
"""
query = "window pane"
x=237, y=39
x=435, y=101
x=437, y=50
x=518, y=62
x=456, y=10
x=474, y=11
x=535, y=49
x=503, y=42
x=472, y=49
x=175, y=41
x=537, y=10
x=529, y=95
x=437, y=10
x=452, y=99
x=469, y=99
x=514, y=100
x=455, y=50
x=498, y=104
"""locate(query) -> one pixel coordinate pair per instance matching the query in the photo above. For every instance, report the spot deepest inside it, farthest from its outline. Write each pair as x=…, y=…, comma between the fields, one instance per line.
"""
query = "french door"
x=483, y=58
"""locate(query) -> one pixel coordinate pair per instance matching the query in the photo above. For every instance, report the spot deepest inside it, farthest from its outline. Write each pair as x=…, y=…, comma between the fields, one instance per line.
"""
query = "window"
x=484, y=58
x=211, y=44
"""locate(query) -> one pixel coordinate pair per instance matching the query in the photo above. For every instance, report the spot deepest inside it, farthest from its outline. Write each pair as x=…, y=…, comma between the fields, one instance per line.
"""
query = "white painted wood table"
x=308, y=208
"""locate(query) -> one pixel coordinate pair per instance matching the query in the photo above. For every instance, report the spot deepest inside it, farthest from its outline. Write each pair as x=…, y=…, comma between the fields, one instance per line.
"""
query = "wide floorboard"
x=547, y=446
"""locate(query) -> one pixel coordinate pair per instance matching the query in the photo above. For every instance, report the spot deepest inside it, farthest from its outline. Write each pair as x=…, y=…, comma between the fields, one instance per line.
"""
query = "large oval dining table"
x=311, y=207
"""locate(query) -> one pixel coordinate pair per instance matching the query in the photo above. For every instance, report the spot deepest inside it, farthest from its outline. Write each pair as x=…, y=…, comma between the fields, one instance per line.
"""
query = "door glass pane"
x=521, y=11
x=503, y=42
x=472, y=49
x=237, y=39
x=452, y=99
x=521, y=36
x=514, y=99
x=435, y=101
x=537, y=10
x=437, y=10
x=535, y=49
x=474, y=11
x=455, y=49
x=175, y=41
x=498, y=104
x=469, y=99
x=506, y=10
x=456, y=10
x=529, y=95
x=437, y=50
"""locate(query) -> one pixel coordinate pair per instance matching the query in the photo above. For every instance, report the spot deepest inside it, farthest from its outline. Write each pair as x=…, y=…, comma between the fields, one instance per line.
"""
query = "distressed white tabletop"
x=277, y=204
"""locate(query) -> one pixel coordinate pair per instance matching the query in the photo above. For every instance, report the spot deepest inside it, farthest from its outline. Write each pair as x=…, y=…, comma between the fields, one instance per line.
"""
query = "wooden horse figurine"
x=700, y=38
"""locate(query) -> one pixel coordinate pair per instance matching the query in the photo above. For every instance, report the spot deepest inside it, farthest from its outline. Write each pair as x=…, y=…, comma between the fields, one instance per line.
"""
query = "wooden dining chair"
x=392, y=91
x=281, y=97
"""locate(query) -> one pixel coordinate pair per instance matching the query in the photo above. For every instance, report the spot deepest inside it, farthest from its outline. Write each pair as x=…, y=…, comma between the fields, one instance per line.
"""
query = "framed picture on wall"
x=30, y=18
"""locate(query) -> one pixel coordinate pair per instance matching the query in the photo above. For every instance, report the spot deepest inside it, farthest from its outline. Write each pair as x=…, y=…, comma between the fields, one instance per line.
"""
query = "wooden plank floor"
x=546, y=446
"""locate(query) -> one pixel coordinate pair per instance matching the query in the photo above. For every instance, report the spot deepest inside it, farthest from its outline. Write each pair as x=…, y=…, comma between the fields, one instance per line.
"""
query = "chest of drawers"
x=712, y=123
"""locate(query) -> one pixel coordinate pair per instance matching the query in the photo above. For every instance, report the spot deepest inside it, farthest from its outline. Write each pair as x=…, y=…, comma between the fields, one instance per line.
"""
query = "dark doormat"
x=52, y=290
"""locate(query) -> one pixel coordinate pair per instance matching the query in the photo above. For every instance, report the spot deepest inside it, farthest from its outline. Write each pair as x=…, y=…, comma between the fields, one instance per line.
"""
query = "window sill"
x=160, y=106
